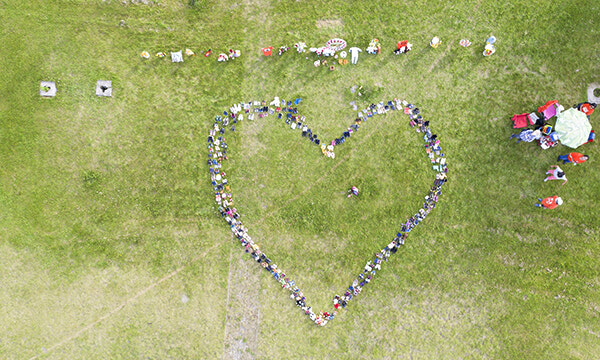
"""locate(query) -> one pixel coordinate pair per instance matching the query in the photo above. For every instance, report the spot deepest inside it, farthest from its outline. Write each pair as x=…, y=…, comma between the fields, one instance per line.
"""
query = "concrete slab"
x=48, y=88
x=590, y=93
x=104, y=88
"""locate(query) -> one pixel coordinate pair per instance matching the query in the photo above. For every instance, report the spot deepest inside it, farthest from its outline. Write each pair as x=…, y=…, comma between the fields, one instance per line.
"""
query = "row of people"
x=217, y=155
x=330, y=49
x=432, y=145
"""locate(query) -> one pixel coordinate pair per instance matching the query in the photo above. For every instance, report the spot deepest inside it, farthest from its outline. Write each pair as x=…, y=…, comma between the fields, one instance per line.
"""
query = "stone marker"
x=104, y=88
x=591, y=97
x=51, y=88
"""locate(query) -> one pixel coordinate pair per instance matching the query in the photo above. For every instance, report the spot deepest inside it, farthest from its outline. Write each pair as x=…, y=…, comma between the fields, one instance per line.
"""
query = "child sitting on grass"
x=353, y=191
x=556, y=173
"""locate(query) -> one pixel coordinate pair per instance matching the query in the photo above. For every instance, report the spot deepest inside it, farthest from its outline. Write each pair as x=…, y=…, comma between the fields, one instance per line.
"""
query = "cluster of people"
x=402, y=47
x=416, y=120
x=353, y=192
x=432, y=146
x=380, y=108
x=543, y=133
x=217, y=155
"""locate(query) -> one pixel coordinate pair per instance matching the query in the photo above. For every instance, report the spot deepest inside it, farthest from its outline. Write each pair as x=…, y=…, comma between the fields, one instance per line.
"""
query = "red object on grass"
x=268, y=51
x=402, y=44
x=550, y=202
x=543, y=108
x=520, y=121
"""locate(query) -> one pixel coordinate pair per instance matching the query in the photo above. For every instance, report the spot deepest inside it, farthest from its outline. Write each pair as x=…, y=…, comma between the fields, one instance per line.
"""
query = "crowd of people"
x=217, y=155
x=542, y=133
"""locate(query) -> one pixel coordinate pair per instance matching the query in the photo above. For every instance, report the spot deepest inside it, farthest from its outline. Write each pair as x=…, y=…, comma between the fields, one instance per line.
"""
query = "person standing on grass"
x=556, y=173
x=550, y=202
x=574, y=158
x=354, y=54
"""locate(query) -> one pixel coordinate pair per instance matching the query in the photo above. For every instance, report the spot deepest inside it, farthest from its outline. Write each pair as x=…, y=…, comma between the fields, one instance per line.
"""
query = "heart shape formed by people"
x=287, y=113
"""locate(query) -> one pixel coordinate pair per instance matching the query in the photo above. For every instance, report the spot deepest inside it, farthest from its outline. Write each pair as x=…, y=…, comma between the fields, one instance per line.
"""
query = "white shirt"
x=354, y=50
x=556, y=171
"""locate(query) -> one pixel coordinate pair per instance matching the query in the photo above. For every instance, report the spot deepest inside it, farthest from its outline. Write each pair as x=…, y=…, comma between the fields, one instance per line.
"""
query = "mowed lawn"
x=110, y=243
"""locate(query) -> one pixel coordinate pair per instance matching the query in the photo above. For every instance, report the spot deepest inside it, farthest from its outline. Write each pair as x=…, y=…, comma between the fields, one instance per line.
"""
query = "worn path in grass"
x=243, y=307
x=125, y=303
x=242, y=319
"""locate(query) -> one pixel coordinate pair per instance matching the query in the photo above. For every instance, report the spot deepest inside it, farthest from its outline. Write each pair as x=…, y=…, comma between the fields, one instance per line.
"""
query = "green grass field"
x=110, y=243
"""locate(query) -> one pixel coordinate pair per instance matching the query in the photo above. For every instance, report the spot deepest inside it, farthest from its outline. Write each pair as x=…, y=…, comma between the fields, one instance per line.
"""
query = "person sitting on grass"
x=556, y=173
x=353, y=191
x=550, y=202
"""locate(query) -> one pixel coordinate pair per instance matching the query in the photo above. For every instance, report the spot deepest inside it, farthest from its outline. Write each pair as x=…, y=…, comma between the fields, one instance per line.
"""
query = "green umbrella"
x=573, y=128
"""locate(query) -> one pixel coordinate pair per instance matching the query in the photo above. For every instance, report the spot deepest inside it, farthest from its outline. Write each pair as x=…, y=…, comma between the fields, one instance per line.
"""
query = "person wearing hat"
x=550, y=202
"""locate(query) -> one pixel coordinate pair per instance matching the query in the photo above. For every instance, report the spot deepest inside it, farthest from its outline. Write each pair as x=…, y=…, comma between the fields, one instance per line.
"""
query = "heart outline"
x=216, y=156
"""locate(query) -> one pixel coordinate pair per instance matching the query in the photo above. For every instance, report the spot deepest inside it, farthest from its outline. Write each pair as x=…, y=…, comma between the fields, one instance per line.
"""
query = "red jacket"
x=550, y=202
x=575, y=158
x=586, y=108
x=268, y=51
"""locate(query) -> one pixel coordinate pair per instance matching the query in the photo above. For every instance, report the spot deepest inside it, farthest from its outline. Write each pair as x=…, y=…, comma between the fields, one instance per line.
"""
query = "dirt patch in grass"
x=251, y=144
x=243, y=308
x=330, y=24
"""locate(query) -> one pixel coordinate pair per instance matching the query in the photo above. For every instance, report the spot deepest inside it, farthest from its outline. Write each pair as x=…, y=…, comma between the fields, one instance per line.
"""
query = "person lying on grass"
x=574, y=158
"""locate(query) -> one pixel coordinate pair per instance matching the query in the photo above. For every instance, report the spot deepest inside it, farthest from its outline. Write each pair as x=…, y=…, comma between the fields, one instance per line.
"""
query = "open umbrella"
x=573, y=128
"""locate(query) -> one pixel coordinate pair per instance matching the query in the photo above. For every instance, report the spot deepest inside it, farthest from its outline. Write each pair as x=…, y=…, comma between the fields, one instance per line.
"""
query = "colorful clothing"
x=549, y=109
x=527, y=135
x=586, y=108
x=556, y=174
x=550, y=202
x=268, y=51
x=574, y=158
x=520, y=121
